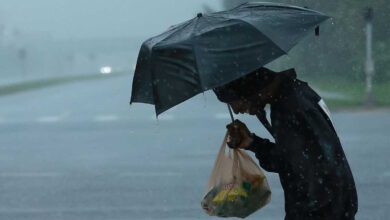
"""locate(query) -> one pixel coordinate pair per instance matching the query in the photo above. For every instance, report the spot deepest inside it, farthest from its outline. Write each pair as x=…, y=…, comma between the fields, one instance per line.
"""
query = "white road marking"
x=151, y=174
x=49, y=119
x=105, y=118
x=29, y=175
x=222, y=116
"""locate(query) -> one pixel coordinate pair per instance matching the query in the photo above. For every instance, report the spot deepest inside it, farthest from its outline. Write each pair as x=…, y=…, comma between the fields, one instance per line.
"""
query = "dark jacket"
x=308, y=156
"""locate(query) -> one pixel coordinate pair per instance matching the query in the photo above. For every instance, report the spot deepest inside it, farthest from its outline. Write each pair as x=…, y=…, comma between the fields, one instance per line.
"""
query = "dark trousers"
x=328, y=212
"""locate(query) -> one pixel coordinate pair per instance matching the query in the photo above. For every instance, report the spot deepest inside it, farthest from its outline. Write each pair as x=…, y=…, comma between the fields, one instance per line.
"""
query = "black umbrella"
x=211, y=50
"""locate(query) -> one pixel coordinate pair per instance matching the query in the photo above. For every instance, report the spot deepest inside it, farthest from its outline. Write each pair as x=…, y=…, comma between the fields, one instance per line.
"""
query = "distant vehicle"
x=106, y=70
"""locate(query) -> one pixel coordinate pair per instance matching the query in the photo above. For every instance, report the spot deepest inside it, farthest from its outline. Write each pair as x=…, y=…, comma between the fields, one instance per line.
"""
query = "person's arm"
x=266, y=152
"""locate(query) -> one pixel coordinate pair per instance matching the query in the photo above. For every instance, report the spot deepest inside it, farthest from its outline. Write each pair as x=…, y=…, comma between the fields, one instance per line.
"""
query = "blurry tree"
x=207, y=9
x=22, y=56
x=70, y=58
x=339, y=51
x=228, y=4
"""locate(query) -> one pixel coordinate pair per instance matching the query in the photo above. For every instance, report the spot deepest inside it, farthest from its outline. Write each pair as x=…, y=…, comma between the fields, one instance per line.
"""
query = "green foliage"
x=339, y=51
x=353, y=93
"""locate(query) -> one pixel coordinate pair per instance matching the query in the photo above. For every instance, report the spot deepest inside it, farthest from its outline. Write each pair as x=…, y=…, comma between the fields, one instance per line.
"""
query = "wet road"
x=79, y=151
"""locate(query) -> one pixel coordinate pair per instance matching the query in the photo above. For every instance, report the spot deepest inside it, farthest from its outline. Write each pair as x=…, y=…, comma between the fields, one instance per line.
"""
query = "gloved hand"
x=239, y=135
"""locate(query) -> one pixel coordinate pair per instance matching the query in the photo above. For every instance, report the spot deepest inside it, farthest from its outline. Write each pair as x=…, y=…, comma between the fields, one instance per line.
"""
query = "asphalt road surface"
x=79, y=151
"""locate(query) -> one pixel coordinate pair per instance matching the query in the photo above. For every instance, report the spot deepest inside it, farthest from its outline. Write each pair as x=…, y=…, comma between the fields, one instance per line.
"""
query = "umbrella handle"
x=231, y=113
x=238, y=141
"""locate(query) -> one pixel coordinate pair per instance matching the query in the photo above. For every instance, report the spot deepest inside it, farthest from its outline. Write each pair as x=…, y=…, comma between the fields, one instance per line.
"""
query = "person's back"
x=313, y=168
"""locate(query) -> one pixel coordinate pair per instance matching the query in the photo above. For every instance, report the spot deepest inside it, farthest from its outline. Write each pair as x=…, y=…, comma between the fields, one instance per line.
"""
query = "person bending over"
x=306, y=152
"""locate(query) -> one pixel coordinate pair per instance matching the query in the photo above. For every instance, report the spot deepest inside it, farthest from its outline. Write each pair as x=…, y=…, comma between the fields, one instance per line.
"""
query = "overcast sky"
x=74, y=19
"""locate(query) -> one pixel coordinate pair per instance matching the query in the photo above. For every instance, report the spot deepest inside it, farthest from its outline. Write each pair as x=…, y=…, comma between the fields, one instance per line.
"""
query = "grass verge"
x=355, y=93
x=43, y=83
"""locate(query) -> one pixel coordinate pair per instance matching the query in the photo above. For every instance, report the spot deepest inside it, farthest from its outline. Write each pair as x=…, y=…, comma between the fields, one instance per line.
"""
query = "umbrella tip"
x=199, y=15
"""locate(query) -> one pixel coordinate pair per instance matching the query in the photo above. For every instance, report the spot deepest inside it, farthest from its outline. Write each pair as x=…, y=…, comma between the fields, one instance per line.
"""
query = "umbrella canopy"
x=211, y=50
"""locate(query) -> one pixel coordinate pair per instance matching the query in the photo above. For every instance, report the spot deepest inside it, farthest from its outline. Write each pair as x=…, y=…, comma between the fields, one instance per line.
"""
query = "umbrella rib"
x=197, y=67
x=248, y=46
x=173, y=32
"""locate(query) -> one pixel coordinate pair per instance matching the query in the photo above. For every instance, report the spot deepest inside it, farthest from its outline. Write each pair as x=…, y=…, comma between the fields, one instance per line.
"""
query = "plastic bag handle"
x=221, y=156
x=223, y=146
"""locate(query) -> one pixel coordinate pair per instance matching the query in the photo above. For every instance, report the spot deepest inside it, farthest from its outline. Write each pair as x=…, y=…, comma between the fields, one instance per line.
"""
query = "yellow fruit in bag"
x=237, y=200
x=230, y=195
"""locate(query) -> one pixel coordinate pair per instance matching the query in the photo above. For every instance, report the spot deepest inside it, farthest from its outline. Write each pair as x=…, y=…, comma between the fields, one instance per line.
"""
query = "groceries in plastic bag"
x=237, y=187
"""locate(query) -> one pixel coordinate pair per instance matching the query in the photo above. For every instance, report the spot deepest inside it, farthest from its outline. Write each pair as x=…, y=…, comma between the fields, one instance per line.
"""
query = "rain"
x=78, y=142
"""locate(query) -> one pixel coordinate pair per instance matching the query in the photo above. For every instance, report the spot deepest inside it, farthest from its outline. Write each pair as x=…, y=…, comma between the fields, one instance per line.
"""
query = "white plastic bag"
x=237, y=187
